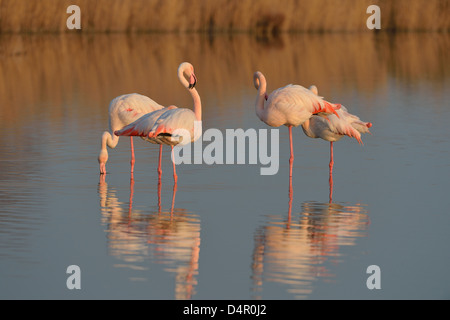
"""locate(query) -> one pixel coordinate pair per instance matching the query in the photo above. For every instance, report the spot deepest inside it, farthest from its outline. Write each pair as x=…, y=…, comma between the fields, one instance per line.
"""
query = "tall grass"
x=258, y=16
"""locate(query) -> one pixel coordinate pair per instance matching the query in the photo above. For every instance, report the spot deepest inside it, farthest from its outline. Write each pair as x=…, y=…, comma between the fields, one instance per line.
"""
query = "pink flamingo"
x=333, y=127
x=123, y=110
x=171, y=125
x=291, y=106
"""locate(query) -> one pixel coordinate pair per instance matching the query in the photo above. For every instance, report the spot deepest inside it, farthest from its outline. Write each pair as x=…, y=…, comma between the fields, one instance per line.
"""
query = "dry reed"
x=258, y=16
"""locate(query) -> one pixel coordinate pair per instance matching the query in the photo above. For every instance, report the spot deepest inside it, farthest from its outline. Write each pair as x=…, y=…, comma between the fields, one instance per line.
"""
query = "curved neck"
x=197, y=104
x=109, y=140
x=259, y=104
x=307, y=129
x=182, y=79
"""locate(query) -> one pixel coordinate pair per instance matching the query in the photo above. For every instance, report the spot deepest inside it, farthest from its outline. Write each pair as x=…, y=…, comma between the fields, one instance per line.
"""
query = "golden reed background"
x=223, y=15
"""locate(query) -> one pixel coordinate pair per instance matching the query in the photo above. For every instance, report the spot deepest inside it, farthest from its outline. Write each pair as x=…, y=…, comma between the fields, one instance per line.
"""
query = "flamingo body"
x=332, y=128
x=127, y=108
x=171, y=125
x=123, y=110
x=291, y=106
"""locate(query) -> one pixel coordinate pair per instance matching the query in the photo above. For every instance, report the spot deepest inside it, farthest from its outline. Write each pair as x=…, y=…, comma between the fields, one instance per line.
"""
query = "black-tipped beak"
x=192, y=81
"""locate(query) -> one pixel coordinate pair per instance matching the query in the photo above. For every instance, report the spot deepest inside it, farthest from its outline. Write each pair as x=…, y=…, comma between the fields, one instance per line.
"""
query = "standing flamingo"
x=332, y=128
x=123, y=110
x=290, y=106
x=171, y=125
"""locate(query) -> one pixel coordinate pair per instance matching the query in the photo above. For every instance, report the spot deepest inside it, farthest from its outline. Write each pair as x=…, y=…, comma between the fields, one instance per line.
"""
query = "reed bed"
x=256, y=16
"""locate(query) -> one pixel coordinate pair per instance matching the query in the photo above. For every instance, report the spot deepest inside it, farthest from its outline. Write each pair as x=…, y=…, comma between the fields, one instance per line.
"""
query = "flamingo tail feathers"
x=327, y=107
x=127, y=131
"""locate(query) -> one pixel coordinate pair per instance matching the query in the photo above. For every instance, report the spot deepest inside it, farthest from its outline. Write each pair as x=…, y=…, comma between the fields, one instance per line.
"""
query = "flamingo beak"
x=266, y=96
x=192, y=81
x=102, y=168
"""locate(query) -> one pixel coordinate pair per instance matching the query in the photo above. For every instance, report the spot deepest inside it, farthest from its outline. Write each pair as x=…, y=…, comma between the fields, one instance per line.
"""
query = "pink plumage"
x=332, y=128
x=124, y=110
x=291, y=106
x=171, y=125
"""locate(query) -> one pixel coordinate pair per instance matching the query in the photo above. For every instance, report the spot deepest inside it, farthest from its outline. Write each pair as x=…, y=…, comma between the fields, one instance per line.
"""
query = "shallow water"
x=225, y=231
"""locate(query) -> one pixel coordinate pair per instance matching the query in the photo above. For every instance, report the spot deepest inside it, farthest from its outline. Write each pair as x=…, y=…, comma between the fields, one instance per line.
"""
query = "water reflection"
x=297, y=251
x=140, y=237
x=41, y=73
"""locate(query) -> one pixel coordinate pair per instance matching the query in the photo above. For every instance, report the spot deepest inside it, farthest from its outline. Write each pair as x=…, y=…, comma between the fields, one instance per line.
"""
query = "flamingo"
x=123, y=110
x=170, y=125
x=291, y=106
x=333, y=127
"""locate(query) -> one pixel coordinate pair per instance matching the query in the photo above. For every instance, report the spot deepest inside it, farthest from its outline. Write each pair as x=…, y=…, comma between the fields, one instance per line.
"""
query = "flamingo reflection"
x=135, y=236
x=298, y=251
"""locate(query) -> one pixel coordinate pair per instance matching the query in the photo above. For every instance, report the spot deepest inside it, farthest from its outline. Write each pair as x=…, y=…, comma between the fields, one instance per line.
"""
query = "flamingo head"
x=186, y=75
x=192, y=81
x=102, y=159
x=258, y=81
x=314, y=90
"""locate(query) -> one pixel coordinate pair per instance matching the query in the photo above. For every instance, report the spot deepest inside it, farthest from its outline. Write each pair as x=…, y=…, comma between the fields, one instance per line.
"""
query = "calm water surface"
x=225, y=231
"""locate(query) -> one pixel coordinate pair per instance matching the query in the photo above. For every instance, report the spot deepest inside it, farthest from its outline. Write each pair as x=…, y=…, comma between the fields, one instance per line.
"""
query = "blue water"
x=225, y=231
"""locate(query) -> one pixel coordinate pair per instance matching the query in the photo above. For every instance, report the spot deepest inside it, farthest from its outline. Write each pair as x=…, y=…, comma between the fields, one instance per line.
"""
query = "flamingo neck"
x=197, y=104
x=261, y=97
x=306, y=126
x=181, y=77
x=108, y=140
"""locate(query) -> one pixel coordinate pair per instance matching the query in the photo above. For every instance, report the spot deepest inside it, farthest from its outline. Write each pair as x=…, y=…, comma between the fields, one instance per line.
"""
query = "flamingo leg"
x=291, y=193
x=132, y=154
x=291, y=159
x=159, y=178
x=175, y=177
x=160, y=157
x=130, y=206
x=159, y=194
x=173, y=199
x=331, y=158
x=331, y=171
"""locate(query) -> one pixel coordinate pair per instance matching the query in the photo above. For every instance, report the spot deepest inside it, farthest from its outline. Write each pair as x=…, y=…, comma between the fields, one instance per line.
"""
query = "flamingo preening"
x=291, y=106
x=123, y=110
x=332, y=128
x=171, y=125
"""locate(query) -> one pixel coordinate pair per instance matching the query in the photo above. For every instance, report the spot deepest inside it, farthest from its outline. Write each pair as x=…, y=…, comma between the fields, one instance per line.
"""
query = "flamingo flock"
x=292, y=106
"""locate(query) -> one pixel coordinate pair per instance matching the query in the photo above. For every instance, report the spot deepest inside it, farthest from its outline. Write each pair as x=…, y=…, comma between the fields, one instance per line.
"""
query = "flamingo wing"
x=348, y=124
x=127, y=108
x=142, y=126
x=295, y=104
x=176, y=126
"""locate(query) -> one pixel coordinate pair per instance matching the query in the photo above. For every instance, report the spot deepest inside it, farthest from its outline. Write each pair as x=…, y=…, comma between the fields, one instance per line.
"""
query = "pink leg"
x=291, y=159
x=173, y=199
x=130, y=207
x=159, y=194
x=160, y=157
x=159, y=178
x=132, y=154
x=331, y=172
x=291, y=193
x=331, y=158
x=175, y=177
